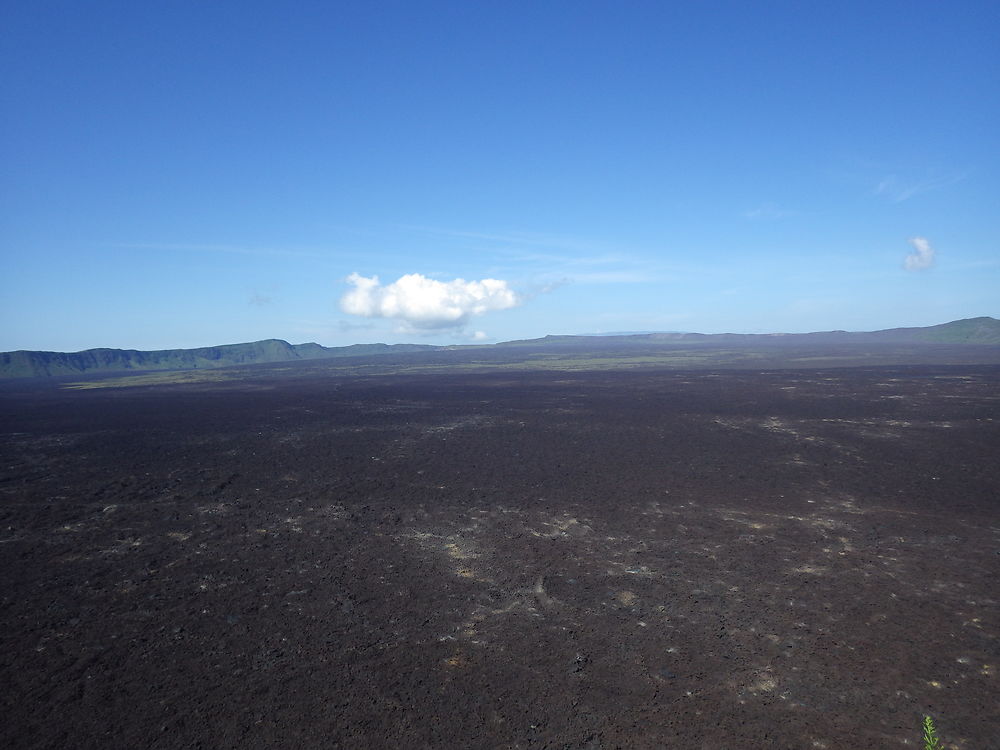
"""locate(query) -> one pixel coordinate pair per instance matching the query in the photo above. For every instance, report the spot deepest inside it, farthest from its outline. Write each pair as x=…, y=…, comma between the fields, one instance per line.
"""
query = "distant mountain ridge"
x=983, y=331
x=26, y=364
x=978, y=331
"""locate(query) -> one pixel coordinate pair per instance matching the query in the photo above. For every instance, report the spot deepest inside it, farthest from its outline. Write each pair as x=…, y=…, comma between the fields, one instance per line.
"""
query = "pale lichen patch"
x=628, y=598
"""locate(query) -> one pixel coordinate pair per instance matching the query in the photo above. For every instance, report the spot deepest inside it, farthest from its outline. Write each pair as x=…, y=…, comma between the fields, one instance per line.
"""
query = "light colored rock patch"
x=628, y=598
x=814, y=570
x=458, y=552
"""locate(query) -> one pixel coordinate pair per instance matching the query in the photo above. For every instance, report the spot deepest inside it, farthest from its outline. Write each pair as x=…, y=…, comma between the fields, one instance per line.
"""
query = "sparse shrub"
x=931, y=741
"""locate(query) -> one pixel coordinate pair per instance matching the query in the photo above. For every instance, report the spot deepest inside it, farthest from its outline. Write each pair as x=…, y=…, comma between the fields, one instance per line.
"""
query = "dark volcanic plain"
x=780, y=555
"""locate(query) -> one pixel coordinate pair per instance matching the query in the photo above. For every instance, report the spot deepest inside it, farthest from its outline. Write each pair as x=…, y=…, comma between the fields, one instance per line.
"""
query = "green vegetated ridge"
x=984, y=331
x=23, y=364
x=978, y=331
x=968, y=331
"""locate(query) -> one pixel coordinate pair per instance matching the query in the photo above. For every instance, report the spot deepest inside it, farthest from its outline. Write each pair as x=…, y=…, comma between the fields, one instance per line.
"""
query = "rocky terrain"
x=516, y=558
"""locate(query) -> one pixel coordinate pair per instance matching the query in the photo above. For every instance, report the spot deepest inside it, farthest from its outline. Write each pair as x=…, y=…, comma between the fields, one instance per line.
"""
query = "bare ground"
x=700, y=559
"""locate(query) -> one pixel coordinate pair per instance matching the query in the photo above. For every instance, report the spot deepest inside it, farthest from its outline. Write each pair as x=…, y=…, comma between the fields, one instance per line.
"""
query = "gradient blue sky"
x=181, y=174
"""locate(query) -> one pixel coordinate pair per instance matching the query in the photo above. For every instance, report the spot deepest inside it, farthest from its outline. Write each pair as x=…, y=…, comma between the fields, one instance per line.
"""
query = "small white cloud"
x=922, y=255
x=422, y=303
x=479, y=336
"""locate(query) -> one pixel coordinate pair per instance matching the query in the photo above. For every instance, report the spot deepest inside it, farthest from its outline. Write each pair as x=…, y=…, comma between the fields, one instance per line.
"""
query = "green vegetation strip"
x=534, y=362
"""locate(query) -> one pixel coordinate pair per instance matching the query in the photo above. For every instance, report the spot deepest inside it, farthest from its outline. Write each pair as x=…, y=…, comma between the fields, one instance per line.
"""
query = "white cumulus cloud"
x=419, y=302
x=922, y=255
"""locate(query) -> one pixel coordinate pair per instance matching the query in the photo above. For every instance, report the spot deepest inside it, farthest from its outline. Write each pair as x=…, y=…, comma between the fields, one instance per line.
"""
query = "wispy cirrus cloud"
x=547, y=261
x=520, y=240
x=898, y=189
x=767, y=211
x=896, y=182
x=218, y=248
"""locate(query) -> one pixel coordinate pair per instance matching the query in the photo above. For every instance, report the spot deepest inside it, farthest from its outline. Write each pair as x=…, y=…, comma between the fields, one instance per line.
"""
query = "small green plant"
x=931, y=741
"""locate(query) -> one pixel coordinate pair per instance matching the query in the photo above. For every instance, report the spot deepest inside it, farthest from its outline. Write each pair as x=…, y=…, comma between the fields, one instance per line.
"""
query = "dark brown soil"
x=654, y=559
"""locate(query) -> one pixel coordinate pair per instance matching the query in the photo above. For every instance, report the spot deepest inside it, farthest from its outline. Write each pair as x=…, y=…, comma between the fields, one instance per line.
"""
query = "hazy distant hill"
x=23, y=364
x=981, y=331
x=26, y=364
x=968, y=331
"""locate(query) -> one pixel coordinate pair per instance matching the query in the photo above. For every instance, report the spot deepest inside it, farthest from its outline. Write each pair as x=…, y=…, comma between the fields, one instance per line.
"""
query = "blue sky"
x=181, y=174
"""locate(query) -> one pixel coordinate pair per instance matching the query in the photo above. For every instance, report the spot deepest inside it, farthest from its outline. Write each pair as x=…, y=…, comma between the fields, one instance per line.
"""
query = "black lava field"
x=645, y=558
